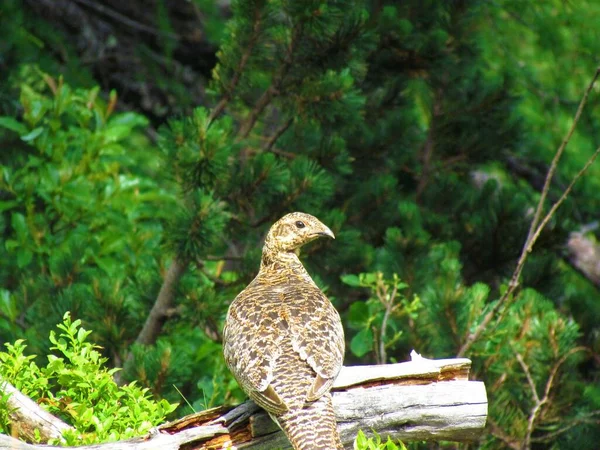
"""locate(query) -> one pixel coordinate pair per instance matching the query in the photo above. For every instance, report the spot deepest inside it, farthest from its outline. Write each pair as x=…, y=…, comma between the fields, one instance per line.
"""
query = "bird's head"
x=294, y=230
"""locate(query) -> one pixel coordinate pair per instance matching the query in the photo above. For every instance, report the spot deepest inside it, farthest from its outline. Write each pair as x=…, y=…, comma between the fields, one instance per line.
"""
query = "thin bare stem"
x=525, y=368
x=497, y=432
x=537, y=411
x=389, y=307
x=536, y=227
x=562, y=198
x=554, y=165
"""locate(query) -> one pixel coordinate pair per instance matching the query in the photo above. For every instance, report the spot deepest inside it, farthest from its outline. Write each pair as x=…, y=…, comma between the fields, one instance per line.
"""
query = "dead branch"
x=416, y=400
x=28, y=419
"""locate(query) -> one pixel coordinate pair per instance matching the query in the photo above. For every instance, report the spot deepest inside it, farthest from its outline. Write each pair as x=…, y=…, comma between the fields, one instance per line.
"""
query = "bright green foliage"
x=381, y=313
x=76, y=386
x=363, y=442
x=81, y=211
x=420, y=132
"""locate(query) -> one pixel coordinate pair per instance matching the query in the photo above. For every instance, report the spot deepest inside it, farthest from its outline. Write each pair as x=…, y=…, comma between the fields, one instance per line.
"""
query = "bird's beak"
x=326, y=232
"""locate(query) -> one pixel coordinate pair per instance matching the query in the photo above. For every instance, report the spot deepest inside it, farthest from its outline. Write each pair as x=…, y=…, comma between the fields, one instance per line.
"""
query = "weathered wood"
x=27, y=416
x=416, y=400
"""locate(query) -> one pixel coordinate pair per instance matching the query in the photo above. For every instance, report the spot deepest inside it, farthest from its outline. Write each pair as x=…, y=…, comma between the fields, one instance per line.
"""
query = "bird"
x=283, y=340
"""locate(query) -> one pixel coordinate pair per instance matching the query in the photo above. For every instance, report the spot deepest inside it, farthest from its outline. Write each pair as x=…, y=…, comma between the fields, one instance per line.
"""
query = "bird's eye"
x=300, y=224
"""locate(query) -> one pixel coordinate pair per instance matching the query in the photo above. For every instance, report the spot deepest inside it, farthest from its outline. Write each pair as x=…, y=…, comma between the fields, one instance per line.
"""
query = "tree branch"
x=164, y=302
x=275, y=137
x=218, y=109
x=498, y=433
x=534, y=229
x=159, y=312
x=273, y=90
x=536, y=411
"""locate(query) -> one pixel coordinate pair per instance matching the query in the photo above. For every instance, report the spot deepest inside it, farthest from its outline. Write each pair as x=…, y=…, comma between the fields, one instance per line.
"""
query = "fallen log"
x=417, y=400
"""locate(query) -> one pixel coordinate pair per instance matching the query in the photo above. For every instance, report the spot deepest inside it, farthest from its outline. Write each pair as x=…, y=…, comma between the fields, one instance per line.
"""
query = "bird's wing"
x=318, y=336
x=254, y=331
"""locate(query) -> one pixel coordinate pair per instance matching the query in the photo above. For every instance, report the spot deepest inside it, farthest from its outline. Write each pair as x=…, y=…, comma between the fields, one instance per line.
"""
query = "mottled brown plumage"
x=283, y=339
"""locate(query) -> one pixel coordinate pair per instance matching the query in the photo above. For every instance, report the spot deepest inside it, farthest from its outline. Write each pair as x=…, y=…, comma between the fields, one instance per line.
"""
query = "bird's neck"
x=282, y=262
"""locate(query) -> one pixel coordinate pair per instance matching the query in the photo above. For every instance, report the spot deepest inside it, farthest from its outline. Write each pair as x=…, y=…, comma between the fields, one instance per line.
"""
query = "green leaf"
x=8, y=205
x=32, y=134
x=116, y=133
x=361, y=441
x=358, y=315
x=351, y=280
x=362, y=342
x=20, y=226
x=24, y=257
x=13, y=125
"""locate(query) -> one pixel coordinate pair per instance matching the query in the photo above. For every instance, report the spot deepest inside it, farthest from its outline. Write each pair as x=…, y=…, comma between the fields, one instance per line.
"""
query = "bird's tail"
x=312, y=427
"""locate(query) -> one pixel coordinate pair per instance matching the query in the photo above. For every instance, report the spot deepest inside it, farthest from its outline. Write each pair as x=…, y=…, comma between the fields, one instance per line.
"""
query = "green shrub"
x=76, y=386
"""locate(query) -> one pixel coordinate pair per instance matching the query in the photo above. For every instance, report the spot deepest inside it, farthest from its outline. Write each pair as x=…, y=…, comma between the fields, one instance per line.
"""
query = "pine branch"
x=535, y=228
x=275, y=137
x=218, y=109
x=551, y=437
x=274, y=89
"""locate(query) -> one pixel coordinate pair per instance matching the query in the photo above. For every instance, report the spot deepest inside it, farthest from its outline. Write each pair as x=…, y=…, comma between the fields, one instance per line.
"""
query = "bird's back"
x=274, y=331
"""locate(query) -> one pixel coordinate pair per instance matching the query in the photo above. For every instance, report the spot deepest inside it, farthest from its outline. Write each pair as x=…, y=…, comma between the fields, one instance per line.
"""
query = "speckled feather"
x=284, y=341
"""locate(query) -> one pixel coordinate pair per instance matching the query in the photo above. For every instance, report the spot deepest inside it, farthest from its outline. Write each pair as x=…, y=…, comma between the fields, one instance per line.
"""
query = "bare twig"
x=540, y=206
x=429, y=146
x=536, y=227
x=389, y=307
x=536, y=410
x=525, y=368
x=562, y=198
x=497, y=432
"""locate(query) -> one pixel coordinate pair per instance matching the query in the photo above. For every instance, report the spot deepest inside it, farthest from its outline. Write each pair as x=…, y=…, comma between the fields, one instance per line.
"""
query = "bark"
x=27, y=416
x=164, y=302
x=159, y=312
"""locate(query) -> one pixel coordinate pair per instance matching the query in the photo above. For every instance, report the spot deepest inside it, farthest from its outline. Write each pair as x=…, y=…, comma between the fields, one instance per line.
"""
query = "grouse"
x=283, y=339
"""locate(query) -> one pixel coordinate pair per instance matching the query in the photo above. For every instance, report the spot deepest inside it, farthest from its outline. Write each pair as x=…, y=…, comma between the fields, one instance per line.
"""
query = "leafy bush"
x=362, y=442
x=76, y=386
